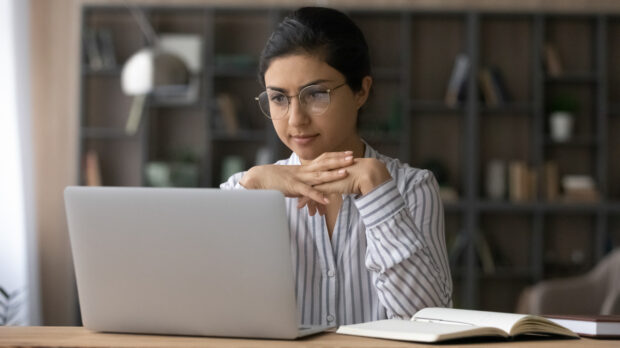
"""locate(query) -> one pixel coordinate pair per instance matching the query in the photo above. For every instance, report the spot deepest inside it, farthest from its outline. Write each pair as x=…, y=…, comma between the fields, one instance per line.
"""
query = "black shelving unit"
x=411, y=71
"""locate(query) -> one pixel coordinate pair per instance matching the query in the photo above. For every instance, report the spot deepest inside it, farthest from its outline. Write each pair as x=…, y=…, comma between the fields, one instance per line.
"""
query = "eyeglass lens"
x=313, y=99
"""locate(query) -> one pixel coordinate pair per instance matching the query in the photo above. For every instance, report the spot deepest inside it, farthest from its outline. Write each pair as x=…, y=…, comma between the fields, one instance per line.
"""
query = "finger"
x=322, y=209
x=310, y=192
x=302, y=202
x=312, y=209
x=316, y=178
x=332, y=160
x=341, y=186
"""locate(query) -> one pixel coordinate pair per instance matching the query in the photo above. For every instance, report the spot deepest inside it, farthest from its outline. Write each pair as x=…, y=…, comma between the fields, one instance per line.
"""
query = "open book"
x=440, y=324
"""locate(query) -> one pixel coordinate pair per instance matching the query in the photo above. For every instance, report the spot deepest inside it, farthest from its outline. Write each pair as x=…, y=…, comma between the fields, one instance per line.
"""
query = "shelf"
x=575, y=142
x=501, y=273
x=506, y=206
x=434, y=106
x=512, y=107
x=238, y=72
x=573, y=207
x=104, y=133
x=572, y=78
x=507, y=273
x=107, y=72
x=240, y=135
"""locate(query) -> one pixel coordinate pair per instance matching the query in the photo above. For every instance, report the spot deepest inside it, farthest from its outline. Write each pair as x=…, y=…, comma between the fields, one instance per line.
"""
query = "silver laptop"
x=203, y=262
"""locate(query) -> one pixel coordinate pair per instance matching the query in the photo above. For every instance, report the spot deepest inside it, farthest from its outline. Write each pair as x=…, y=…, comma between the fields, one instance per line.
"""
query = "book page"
x=503, y=321
x=416, y=331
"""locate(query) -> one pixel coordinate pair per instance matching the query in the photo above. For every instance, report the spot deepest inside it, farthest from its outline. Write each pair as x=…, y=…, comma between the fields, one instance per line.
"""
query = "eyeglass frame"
x=298, y=95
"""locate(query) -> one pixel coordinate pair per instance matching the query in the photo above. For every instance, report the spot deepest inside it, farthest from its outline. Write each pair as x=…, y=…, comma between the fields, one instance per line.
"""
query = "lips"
x=303, y=139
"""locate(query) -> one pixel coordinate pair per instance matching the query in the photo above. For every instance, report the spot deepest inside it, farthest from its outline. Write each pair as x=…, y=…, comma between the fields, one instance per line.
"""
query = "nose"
x=297, y=115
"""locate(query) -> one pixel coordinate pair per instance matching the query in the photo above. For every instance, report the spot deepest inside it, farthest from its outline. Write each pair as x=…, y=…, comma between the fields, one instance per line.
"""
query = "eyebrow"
x=282, y=90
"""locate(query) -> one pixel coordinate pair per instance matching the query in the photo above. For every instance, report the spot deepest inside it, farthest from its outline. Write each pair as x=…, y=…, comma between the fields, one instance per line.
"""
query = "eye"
x=277, y=98
x=316, y=94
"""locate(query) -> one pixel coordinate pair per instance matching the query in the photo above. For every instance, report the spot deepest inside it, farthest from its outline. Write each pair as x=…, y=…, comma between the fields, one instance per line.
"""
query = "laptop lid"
x=183, y=261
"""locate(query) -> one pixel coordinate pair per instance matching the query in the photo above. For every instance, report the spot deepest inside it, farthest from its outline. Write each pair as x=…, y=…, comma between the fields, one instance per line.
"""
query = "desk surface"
x=80, y=337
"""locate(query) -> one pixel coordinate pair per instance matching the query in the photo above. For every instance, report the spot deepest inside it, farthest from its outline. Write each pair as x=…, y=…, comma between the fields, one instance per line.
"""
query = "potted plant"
x=562, y=117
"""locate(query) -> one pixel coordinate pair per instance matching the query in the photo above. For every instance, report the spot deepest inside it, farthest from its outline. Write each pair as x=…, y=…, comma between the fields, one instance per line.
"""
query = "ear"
x=362, y=95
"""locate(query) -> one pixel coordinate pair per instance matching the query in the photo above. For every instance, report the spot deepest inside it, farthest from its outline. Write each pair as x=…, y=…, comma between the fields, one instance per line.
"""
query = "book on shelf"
x=601, y=326
x=227, y=114
x=493, y=87
x=522, y=182
x=99, y=49
x=517, y=181
x=92, y=170
x=458, y=78
x=579, y=188
x=552, y=61
x=551, y=181
x=434, y=324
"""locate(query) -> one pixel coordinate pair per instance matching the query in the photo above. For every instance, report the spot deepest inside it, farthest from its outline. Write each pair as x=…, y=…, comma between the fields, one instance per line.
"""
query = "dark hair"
x=325, y=32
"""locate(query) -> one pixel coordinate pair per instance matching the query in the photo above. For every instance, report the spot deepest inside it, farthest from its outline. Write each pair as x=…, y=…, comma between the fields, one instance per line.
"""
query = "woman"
x=376, y=248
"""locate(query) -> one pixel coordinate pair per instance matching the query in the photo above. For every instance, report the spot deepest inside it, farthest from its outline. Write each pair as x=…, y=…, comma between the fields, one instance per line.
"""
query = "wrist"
x=375, y=177
x=250, y=179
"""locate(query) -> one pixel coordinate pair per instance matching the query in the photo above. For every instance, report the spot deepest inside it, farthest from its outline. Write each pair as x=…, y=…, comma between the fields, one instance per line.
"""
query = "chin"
x=305, y=153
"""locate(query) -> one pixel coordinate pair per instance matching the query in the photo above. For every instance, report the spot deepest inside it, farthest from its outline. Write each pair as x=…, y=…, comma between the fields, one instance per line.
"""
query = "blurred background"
x=514, y=105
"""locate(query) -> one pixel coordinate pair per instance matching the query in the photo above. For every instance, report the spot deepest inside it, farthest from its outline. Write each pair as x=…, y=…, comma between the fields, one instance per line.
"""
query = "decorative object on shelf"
x=181, y=171
x=458, y=247
x=230, y=166
x=579, y=188
x=552, y=61
x=99, y=49
x=151, y=70
x=171, y=174
x=188, y=47
x=495, y=183
x=561, y=118
x=457, y=84
x=264, y=155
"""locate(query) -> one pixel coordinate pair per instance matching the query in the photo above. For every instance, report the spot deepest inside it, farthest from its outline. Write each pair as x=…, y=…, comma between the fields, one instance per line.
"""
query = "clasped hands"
x=313, y=182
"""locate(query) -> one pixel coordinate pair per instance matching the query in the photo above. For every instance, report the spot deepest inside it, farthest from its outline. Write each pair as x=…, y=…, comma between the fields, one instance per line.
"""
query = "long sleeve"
x=406, y=250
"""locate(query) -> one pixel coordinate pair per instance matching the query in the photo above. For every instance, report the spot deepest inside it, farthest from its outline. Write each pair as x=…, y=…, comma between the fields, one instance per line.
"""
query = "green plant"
x=564, y=102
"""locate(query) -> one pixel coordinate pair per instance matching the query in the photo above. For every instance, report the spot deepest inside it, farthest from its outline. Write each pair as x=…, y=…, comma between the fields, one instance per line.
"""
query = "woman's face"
x=311, y=135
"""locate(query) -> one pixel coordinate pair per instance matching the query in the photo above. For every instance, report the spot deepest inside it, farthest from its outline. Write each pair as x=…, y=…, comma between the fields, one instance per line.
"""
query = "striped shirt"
x=387, y=256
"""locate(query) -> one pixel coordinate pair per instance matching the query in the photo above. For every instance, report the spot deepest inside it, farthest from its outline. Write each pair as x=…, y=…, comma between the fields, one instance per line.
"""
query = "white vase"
x=561, y=125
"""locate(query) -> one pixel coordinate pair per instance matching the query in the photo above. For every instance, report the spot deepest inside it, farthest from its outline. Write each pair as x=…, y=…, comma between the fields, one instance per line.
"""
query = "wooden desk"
x=80, y=337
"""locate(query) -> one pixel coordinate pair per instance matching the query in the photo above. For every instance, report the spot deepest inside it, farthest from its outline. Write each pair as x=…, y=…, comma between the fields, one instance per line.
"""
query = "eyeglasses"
x=313, y=99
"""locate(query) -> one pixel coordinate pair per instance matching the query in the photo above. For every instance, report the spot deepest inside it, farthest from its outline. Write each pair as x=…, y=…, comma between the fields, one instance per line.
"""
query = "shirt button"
x=330, y=318
x=331, y=273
